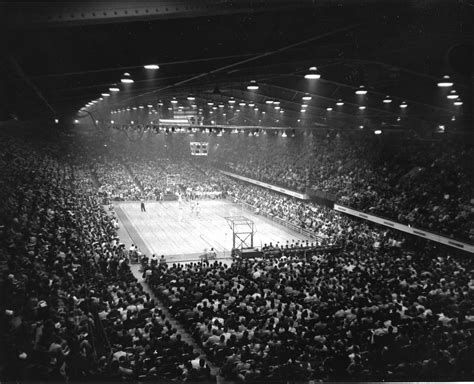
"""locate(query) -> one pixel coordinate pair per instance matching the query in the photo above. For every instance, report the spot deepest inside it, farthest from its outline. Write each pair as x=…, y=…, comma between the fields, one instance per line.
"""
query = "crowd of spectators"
x=70, y=307
x=422, y=183
x=358, y=314
x=381, y=306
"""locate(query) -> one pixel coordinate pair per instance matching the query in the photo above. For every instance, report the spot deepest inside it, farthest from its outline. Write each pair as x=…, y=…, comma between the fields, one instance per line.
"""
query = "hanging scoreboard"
x=198, y=148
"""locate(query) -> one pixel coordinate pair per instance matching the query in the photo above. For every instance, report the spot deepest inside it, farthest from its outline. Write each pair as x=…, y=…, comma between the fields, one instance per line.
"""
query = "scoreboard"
x=198, y=148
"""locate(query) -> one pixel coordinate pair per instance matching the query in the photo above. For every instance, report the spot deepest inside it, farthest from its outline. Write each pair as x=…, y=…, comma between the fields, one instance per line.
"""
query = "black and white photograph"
x=236, y=191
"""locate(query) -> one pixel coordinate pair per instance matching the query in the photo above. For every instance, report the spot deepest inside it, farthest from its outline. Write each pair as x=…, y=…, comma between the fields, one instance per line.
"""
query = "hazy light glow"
x=362, y=107
x=329, y=109
x=378, y=132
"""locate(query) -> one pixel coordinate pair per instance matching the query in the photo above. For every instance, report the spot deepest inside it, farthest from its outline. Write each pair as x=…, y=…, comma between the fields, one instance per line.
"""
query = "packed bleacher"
x=70, y=307
x=427, y=184
x=365, y=314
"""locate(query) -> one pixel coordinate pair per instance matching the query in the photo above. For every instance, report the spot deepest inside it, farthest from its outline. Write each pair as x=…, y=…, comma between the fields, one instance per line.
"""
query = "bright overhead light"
x=140, y=106
x=242, y=104
x=453, y=95
x=277, y=107
x=312, y=74
x=101, y=98
x=191, y=98
x=361, y=91
x=114, y=89
x=170, y=109
x=403, y=105
x=304, y=105
x=128, y=108
x=306, y=97
x=174, y=101
x=237, y=110
x=231, y=101
x=255, y=109
x=76, y=121
x=56, y=121
x=214, y=108
x=362, y=107
x=458, y=102
x=281, y=111
x=269, y=102
x=276, y=102
x=252, y=86
x=105, y=94
x=283, y=134
x=126, y=79
x=221, y=105
x=134, y=108
x=329, y=109
x=152, y=66
x=446, y=82
x=378, y=132
x=387, y=100
x=210, y=103
x=251, y=104
x=340, y=103
x=303, y=110
x=150, y=106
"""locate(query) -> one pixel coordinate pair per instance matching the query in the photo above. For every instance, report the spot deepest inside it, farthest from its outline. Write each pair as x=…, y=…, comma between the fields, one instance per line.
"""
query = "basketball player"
x=142, y=205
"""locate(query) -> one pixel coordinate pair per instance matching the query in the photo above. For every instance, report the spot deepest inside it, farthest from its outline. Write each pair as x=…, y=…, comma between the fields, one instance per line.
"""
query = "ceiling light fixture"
x=361, y=91
x=403, y=105
x=105, y=94
x=312, y=74
x=252, y=86
x=452, y=95
x=362, y=107
x=152, y=66
x=114, y=89
x=306, y=97
x=329, y=109
x=446, y=82
x=457, y=102
x=126, y=79
x=387, y=100
x=340, y=103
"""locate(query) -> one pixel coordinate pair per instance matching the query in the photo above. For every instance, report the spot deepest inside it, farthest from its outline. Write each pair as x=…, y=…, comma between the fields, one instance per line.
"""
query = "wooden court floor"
x=173, y=229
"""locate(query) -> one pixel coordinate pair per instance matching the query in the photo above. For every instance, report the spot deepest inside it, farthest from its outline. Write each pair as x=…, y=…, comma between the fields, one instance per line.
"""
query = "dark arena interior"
x=236, y=191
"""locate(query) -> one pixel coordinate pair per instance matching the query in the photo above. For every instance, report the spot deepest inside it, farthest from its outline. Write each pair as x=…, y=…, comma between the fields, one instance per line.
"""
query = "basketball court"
x=182, y=232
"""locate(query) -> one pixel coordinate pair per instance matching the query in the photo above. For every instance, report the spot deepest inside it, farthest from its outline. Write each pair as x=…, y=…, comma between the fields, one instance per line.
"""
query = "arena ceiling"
x=59, y=56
